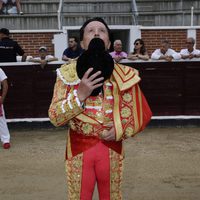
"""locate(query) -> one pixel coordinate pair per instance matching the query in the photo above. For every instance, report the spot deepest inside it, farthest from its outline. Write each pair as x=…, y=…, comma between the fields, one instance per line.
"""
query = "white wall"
x=60, y=42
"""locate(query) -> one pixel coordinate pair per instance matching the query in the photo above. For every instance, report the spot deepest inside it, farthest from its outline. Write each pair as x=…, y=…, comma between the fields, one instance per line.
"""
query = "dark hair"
x=99, y=19
x=142, y=49
x=165, y=42
x=191, y=38
x=5, y=31
x=75, y=38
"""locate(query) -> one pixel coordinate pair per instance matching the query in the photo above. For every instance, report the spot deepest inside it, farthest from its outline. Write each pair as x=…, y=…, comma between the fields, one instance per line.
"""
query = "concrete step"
x=29, y=21
x=163, y=5
x=50, y=21
x=158, y=5
x=168, y=19
x=42, y=14
x=111, y=18
x=40, y=7
x=167, y=13
x=97, y=6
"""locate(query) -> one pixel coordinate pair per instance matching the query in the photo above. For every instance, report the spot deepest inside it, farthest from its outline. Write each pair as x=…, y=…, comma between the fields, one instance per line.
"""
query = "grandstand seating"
x=42, y=14
x=168, y=13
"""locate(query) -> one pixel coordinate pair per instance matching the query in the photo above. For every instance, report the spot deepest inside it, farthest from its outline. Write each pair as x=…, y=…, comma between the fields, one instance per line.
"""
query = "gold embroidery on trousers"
x=116, y=165
x=74, y=176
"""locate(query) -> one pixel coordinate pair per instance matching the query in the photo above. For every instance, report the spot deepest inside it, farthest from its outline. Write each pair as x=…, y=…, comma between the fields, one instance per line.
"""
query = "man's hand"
x=88, y=84
x=191, y=56
x=168, y=58
x=118, y=58
x=43, y=63
x=108, y=135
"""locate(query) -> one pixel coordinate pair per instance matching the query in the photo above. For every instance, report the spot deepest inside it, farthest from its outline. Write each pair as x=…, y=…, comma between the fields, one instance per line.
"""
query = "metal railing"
x=60, y=14
x=134, y=12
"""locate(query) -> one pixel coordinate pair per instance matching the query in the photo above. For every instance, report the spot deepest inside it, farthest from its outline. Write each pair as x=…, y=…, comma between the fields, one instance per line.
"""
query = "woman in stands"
x=139, y=51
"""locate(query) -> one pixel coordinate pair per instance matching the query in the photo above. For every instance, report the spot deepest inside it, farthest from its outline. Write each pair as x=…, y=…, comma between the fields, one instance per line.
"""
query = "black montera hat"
x=99, y=59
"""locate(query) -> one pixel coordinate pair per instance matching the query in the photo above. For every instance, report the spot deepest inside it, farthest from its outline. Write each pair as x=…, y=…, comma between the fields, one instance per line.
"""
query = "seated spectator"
x=43, y=58
x=14, y=9
x=139, y=51
x=73, y=51
x=165, y=53
x=190, y=52
x=118, y=54
x=9, y=49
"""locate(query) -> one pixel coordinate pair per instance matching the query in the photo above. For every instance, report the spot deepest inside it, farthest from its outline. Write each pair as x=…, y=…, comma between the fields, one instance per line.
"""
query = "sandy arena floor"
x=160, y=164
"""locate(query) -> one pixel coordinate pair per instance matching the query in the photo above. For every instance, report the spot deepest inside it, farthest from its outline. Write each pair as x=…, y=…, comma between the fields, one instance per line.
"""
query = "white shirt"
x=170, y=52
x=185, y=52
x=2, y=76
x=46, y=58
x=115, y=54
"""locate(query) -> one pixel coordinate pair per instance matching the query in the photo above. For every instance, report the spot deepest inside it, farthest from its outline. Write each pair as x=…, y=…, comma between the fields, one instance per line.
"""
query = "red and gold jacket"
x=121, y=105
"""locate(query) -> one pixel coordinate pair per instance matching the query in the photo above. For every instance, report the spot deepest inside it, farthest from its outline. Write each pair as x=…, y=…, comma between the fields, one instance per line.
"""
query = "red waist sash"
x=81, y=143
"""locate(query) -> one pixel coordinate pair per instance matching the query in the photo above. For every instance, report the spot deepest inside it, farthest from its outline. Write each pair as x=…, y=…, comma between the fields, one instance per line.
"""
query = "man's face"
x=95, y=29
x=43, y=53
x=189, y=43
x=72, y=43
x=164, y=48
x=118, y=46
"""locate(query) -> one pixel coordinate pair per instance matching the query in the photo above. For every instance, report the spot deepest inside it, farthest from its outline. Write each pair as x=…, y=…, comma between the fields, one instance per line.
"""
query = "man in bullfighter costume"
x=103, y=105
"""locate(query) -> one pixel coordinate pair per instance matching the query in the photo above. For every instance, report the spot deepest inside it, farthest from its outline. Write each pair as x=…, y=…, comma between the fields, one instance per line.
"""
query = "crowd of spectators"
x=10, y=49
x=164, y=52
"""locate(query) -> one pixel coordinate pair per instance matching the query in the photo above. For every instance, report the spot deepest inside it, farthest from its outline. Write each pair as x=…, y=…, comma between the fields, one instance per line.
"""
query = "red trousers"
x=99, y=165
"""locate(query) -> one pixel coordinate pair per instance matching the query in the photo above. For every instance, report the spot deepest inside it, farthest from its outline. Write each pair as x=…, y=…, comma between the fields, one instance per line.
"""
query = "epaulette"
x=67, y=73
x=125, y=76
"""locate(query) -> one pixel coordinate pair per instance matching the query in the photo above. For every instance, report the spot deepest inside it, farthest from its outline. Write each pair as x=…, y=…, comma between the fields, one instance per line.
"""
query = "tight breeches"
x=99, y=165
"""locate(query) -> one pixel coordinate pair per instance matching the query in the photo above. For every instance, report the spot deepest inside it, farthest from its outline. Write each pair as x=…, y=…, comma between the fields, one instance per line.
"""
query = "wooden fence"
x=171, y=88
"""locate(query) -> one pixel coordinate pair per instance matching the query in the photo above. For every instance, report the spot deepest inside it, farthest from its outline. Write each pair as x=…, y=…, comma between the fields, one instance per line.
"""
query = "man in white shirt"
x=43, y=58
x=165, y=53
x=190, y=52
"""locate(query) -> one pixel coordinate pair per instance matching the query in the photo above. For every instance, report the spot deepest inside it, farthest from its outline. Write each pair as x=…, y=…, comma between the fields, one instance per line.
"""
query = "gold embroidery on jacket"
x=125, y=112
x=68, y=74
x=129, y=131
x=87, y=128
x=127, y=97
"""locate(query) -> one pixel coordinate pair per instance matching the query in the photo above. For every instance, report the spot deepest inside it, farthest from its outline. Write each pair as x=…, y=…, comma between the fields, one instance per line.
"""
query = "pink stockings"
x=96, y=168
